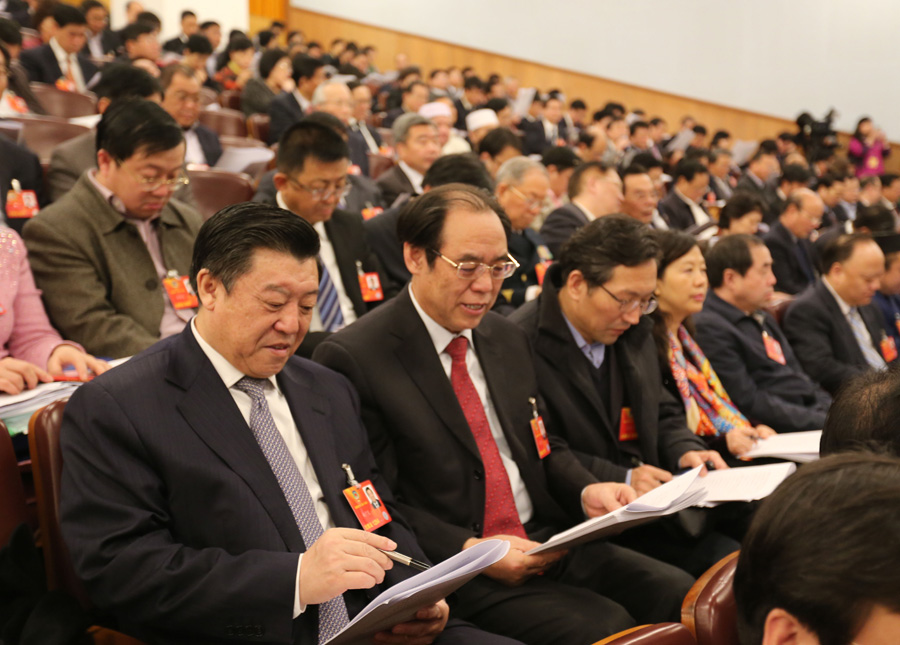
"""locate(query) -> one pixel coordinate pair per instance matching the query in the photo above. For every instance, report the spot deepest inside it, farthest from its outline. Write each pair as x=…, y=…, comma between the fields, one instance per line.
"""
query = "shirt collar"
x=845, y=308
x=114, y=201
x=62, y=56
x=440, y=336
x=591, y=217
x=594, y=352
x=414, y=176
x=685, y=199
x=319, y=226
x=226, y=371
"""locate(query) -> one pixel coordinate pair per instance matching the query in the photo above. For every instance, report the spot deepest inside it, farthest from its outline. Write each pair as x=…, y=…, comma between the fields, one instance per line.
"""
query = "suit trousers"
x=596, y=590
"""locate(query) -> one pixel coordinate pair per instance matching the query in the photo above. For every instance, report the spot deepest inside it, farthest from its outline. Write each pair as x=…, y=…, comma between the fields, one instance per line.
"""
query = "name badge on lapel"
x=179, y=290
x=888, y=348
x=627, y=429
x=369, y=284
x=538, y=430
x=365, y=502
x=773, y=349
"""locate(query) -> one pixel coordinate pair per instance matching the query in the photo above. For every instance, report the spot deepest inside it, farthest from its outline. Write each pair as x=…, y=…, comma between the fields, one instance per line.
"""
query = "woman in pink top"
x=31, y=351
x=868, y=148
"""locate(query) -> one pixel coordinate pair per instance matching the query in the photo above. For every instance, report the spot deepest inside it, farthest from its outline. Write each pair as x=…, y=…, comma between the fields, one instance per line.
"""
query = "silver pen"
x=405, y=559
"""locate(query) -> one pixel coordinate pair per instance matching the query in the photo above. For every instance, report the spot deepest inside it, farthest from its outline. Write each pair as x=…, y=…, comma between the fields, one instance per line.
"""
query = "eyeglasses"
x=472, y=270
x=320, y=194
x=150, y=184
x=627, y=306
x=530, y=202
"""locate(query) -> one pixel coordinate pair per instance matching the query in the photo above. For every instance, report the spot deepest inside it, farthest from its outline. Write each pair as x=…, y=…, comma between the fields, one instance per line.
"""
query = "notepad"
x=745, y=484
x=801, y=447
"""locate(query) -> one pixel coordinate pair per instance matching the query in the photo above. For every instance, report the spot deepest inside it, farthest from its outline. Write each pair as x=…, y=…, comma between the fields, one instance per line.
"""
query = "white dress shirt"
x=284, y=421
x=849, y=314
x=441, y=338
x=329, y=259
x=591, y=217
x=193, y=151
x=67, y=61
x=304, y=102
x=414, y=176
x=701, y=217
x=95, y=45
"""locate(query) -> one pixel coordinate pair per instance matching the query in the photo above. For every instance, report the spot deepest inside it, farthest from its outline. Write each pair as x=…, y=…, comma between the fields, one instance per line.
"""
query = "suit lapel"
x=416, y=353
x=835, y=313
x=339, y=236
x=209, y=409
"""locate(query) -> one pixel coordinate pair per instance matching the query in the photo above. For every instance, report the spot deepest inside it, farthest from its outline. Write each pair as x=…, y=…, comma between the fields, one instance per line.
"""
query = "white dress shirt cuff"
x=298, y=608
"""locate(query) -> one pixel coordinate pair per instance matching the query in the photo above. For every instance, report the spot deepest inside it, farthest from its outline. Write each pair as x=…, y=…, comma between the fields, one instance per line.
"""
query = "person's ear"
x=782, y=628
x=209, y=289
x=415, y=258
x=576, y=286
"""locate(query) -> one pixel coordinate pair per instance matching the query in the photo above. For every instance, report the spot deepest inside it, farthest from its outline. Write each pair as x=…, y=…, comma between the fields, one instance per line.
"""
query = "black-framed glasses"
x=320, y=194
x=472, y=270
x=627, y=306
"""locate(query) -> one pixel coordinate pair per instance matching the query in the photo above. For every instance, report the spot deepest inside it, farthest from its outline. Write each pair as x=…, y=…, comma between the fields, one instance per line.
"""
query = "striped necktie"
x=329, y=303
x=864, y=340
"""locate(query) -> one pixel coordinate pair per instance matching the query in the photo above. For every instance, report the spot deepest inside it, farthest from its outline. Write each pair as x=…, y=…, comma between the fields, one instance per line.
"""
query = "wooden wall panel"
x=596, y=91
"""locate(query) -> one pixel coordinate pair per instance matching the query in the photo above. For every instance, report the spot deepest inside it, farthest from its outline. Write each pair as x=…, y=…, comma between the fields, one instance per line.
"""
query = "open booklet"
x=801, y=447
x=690, y=489
x=401, y=602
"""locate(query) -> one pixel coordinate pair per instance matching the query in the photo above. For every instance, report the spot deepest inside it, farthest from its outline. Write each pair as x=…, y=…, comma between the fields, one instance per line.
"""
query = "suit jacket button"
x=476, y=527
x=151, y=284
x=478, y=475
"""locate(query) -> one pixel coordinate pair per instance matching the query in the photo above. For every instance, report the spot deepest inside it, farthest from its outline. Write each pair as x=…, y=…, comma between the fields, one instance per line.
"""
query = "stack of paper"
x=669, y=498
x=16, y=409
x=801, y=447
x=400, y=603
x=745, y=484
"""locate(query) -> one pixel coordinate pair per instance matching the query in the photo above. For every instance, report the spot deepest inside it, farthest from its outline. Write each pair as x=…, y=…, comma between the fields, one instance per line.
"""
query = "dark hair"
x=718, y=136
x=889, y=178
x=647, y=160
x=497, y=105
x=132, y=125
x=699, y=129
x=605, y=243
x=329, y=121
x=562, y=157
x=305, y=67
x=459, y=168
x=198, y=44
x=818, y=548
x=688, y=169
x=187, y=13
x=672, y=246
x=122, y=81
x=636, y=126
x=307, y=139
x=66, y=14
x=239, y=44
x=134, y=31
x=421, y=220
x=856, y=132
x=87, y=5
x=826, y=181
x=657, y=120
x=149, y=18
x=739, y=205
x=696, y=153
x=265, y=37
x=498, y=139
x=841, y=248
x=576, y=181
x=716, y=153
x=9, y=32
x=435, y=72
x=406, y=72
x=227, y=241
x=209, y=23
x=630, y=171
x=473, y=83
x=863, y=415
x=409, y=88
x=577, y=104
x=878, y=218
x=730, y=252
x=5, y=53
x=794, y=173
x=170, y=71
x=269, y=60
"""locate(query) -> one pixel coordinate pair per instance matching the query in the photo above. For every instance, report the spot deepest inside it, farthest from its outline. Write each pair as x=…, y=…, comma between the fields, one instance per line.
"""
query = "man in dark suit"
x=829, y=187
x=747, y=348
x=595, y=190
x=720, y=161
x=311, y=179
x=548, y=131
x=598, y=375
x=683, y=207
x=835, y=331
x=101, y=41
x=793, y=177
x=61, y=59
x=414, y=96
x=19, y=163
x=288, y=108
x=229, y=518
x=417, y=145
x=448, y=394
x=334, y=98
x=382, y=229
x=763, y=165
x=181, y=99
x=788, y=241
x=189, y=27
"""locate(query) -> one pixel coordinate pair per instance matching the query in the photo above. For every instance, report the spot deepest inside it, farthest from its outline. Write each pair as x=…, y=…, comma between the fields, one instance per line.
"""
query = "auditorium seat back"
x=215, y=189
x=709, y=610
x=65, y=105
x=13, y=510
x=660, y=634
x=224, y=121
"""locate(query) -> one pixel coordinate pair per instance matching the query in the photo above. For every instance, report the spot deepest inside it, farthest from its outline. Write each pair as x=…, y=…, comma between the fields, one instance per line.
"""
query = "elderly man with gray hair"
x=417, y=145
x=335, y=98
x=521, y=190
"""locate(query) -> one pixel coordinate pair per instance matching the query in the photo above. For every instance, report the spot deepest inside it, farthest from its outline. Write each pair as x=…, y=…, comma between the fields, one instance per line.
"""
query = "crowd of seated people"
x=658, y=298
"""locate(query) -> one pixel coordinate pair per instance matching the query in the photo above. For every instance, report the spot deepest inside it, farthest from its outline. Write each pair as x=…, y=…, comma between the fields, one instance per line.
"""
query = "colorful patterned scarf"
x=710, y=411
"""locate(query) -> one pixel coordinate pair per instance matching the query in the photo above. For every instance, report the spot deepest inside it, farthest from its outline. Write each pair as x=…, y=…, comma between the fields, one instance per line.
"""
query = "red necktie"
x=500, y=514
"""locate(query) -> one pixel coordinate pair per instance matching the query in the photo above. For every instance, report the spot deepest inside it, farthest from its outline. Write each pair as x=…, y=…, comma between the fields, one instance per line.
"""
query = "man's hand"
x=428, y=623
x=600, y=499
x=694, y=458
x=516, y=567
x=645, y=478
x=65, y=355
x=740, y=439
x=16, y=375
x=764, y=432
x=343, y=559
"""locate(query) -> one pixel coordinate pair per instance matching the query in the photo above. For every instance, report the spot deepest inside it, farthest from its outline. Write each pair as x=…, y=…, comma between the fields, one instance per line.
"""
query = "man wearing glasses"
x=598, y=372
x=312, y=163
x=112, y=255
x=448, y=394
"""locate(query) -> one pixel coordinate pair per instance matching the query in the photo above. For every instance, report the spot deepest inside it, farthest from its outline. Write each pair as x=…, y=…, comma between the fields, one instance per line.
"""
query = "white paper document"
x=801, y=447
x=744, y=484
x=235, y=159
x=401, y=602
x=669, y=498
